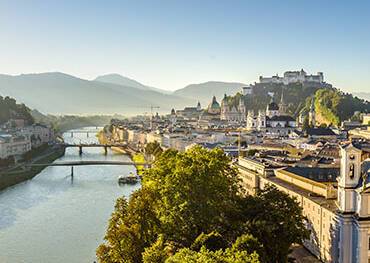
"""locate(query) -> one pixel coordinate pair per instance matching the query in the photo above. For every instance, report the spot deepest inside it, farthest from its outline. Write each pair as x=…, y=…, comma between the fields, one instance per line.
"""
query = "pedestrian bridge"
x=72, y=164
x=91, y=145
x=79, y=163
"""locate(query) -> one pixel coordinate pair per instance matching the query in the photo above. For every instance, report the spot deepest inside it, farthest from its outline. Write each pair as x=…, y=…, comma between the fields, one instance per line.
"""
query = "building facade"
x=273, y=121
x=293, y=77
x=233, y=113
x=14, y=145
x=336, y=203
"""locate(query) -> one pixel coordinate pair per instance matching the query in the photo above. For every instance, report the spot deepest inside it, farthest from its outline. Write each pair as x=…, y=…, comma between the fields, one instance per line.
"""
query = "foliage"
x=336, y=106
x=139, y=158
x=9, y=109
x=276, y=220
x=250, y=244
x=157, y=253
x=131, y=229
x=197, y=188
x=153, y=148
x=306, y=123
x=191, y=208
x=212, y=241
x=208, y=256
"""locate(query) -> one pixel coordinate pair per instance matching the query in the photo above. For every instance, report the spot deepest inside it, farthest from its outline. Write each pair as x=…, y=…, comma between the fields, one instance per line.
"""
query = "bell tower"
x=350, y=174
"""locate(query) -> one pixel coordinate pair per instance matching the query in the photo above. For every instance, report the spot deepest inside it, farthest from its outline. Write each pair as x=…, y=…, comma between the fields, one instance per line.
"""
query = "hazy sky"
x=169, y=44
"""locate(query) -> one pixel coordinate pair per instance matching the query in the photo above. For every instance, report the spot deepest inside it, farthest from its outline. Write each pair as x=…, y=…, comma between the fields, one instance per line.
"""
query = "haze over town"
x=176, y=131
x=176, y=43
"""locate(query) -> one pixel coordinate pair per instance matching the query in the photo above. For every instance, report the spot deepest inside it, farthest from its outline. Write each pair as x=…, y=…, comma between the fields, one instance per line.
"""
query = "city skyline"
x=174, y=44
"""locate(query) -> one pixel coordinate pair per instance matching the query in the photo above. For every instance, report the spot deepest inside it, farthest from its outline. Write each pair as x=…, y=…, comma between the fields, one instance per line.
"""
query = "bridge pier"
x=80, y=150
x=105, y=150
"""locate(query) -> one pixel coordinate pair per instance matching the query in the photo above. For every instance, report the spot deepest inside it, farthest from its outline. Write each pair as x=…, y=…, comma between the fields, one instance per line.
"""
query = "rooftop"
x=322, y=175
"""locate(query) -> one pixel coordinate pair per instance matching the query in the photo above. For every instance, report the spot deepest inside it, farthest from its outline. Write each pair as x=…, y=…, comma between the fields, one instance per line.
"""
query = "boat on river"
x=129, y=179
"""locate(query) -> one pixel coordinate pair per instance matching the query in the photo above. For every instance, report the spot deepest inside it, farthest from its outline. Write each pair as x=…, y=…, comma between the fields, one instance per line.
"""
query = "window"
x=352, y=170
x=369, y=243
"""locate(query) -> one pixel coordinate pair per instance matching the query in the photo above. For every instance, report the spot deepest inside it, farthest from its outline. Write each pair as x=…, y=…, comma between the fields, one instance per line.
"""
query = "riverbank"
x=135, y=156
x=20, y=174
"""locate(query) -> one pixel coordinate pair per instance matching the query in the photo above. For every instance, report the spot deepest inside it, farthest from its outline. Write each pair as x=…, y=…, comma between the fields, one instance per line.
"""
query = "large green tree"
x=191, y=207
x=196, y=190
x=276, y=220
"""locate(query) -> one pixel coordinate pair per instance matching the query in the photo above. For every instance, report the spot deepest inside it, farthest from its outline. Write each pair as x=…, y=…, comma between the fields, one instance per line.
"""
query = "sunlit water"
x=54, y=219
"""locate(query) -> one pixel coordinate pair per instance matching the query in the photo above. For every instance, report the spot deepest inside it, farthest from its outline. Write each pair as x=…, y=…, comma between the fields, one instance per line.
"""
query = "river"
x=53, y=218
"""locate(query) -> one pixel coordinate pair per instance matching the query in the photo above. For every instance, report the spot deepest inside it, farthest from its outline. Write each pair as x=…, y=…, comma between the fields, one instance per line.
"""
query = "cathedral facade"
x=233, y=113
x=274, y=121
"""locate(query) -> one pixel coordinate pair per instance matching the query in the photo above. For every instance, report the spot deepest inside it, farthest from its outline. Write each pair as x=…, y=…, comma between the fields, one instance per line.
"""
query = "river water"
x=53, y=218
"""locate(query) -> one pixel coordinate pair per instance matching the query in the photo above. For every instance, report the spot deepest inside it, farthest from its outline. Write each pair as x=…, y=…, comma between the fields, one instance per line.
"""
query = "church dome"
x=273, y=106
x=214, y=104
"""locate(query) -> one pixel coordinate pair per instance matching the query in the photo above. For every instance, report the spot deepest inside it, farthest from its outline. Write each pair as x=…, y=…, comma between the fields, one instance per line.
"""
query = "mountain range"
x=59, y=93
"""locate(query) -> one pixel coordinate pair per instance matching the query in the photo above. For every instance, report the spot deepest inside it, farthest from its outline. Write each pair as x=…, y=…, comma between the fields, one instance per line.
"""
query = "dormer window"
x=352, y=157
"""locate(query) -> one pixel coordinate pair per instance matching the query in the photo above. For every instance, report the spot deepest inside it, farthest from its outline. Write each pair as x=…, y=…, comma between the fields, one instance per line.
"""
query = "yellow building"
x=316, y=194
x=336, y=202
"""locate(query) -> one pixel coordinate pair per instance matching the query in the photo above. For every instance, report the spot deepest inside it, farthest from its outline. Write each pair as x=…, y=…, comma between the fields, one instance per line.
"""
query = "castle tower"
x=312, y=114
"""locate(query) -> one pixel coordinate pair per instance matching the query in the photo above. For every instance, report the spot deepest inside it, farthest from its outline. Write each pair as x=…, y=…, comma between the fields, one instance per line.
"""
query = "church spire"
x=282, y=96
x=282, y=106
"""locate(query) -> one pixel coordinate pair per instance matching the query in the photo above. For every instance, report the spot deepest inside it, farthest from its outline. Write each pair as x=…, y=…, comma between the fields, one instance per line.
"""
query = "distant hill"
x=124, y=81
x=59, y=93
x=332, y=106
x=10, y=109
x=363, y=95
x=205, y=91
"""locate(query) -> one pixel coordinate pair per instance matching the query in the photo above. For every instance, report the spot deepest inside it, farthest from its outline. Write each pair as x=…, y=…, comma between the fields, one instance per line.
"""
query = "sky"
x=170, y=44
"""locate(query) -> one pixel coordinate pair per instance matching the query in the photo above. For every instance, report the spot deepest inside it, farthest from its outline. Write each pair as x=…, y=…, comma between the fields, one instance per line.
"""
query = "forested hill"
x=9, y=109
x=331, y=105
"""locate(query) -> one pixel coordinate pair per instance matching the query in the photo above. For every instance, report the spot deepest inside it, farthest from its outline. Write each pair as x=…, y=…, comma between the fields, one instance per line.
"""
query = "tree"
x=157, y=253
x=250, y=244
x=191, y=206
x=207, y=256
x=132, y=228
x=153, y=148
x=196, y=190
x=276, y=220
x=212, y=241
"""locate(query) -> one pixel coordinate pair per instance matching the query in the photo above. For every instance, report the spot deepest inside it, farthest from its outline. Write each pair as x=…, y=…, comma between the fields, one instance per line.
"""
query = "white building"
x=354, y=203
x=233, y=113
x=273, y=121
x=337, y=205
x=293, y=77
x=13, y=145
x=39, y=134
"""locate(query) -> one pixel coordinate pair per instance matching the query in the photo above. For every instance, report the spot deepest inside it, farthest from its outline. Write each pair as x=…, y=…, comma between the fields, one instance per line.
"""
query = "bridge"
x=81, y=163
x=82, y=131
x=84, y=145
